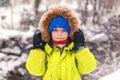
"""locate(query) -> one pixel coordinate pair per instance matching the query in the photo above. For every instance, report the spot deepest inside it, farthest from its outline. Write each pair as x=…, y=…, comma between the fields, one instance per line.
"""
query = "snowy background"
x=100, y=22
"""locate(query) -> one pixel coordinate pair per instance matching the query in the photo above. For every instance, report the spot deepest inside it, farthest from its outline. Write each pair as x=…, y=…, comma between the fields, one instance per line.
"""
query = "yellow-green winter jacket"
x=54, y=64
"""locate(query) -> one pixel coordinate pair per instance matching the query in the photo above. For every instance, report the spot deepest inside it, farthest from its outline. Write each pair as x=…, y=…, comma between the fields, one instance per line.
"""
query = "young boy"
x=58, y=47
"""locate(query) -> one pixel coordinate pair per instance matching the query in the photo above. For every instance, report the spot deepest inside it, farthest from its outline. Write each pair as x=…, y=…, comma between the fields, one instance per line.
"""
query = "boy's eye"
x=64, y=30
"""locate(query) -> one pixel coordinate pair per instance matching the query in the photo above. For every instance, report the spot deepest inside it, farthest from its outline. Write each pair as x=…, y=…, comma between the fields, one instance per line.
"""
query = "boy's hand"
x=37, y=40
x=79, y=40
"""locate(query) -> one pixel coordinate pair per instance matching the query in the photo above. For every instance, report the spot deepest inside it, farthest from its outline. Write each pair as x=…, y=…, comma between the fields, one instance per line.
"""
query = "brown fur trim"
x=64, y=11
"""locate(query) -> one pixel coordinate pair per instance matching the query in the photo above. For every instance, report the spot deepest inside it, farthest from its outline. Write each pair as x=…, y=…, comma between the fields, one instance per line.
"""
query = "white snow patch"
x=99, y=37
x=113, y=76
x=90, y=7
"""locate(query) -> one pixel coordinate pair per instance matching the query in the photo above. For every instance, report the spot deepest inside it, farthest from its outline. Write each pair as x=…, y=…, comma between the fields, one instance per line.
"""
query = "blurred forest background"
x=100, y=22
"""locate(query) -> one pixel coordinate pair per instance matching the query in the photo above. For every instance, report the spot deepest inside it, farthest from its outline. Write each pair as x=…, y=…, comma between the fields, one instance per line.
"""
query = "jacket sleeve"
x=36, y=61
x=86, y=61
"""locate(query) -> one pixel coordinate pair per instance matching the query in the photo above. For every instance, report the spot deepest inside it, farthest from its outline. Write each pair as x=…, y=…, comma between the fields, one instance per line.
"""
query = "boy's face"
x=59, y=34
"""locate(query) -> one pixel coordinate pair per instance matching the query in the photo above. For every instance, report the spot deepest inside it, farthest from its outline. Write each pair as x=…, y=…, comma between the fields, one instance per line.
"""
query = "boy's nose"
x=59, y=33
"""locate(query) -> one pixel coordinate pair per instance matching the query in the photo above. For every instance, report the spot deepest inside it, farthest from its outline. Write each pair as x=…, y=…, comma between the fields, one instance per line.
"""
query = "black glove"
x=79, y=40
x=37, y=40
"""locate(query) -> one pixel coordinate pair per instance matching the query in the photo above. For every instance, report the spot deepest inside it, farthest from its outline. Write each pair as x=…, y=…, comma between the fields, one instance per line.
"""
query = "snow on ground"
x=113, y=76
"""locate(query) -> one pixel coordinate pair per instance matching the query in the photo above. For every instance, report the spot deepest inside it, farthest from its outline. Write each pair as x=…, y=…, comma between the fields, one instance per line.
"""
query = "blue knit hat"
x=59, y=22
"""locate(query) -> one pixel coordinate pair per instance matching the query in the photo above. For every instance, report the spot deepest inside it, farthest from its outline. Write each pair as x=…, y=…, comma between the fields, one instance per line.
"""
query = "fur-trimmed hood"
x=54, y=11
